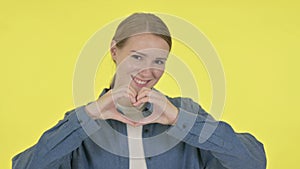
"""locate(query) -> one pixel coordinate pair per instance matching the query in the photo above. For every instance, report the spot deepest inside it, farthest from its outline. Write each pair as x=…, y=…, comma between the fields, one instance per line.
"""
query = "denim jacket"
x=196, y=141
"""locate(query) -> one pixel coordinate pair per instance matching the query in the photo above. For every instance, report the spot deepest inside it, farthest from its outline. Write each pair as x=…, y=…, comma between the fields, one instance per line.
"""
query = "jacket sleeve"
x=232, y=150
x=54, y=148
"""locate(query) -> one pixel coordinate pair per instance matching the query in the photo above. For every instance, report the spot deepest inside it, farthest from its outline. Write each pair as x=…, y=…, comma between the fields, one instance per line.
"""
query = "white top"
x=135, y=141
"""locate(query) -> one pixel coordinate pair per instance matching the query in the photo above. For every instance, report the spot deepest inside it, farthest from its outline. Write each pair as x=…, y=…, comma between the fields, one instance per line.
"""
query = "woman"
x=131, y=107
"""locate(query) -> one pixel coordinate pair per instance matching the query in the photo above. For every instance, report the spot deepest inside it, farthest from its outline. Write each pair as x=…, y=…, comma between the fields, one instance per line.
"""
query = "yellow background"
x=257, y=41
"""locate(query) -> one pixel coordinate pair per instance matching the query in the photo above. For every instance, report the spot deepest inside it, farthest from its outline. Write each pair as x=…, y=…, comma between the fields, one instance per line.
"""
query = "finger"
x=129, y=92
x=132, y=90
x=115, y=115
x=124, y=91
x=125, y=120
x=152, y=94
x=143, y=93
x=133, y=94
x=148, y=120
x=141, y=101
x=119, y=92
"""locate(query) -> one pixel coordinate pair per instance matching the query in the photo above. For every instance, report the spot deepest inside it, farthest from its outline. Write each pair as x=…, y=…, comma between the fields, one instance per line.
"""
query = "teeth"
x=140, y=81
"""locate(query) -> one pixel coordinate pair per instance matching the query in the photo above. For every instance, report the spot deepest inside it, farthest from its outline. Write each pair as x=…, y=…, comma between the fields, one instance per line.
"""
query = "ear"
x=113, y=50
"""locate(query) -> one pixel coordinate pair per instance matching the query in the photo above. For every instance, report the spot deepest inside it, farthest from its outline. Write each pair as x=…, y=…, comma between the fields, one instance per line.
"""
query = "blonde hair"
x=139, y=23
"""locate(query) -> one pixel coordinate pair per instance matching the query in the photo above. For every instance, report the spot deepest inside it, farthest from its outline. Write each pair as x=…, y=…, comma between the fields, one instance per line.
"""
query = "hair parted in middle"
x=139, y=23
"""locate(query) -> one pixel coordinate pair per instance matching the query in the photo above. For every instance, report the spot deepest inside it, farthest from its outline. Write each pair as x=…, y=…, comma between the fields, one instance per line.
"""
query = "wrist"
x=174, y=116
x=92, y=110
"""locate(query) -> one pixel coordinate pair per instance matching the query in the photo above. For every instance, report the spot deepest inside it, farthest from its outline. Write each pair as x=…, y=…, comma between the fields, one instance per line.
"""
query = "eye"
x=159, y=62
x=137, y=57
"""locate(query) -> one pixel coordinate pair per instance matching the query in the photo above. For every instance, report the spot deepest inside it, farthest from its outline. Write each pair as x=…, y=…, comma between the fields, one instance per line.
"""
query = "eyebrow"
x=143, y=54
x=140, y=53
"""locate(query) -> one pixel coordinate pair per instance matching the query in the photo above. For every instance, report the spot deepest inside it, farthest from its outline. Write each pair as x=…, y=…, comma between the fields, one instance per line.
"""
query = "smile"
x=140, y=82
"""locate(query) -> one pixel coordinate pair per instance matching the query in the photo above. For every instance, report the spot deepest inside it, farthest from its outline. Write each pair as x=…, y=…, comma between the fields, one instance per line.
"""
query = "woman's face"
x=141, y=61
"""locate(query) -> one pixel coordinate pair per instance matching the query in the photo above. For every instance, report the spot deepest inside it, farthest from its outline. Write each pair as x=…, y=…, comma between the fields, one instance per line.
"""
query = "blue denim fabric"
x=196, y=141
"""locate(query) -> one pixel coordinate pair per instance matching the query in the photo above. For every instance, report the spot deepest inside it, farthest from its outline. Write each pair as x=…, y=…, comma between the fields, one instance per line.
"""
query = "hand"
x=164, y=112
x=105, y=107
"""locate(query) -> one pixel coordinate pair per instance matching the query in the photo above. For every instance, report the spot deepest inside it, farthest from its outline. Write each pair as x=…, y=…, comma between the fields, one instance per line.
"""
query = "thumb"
x=120, y=117
x=148, y=120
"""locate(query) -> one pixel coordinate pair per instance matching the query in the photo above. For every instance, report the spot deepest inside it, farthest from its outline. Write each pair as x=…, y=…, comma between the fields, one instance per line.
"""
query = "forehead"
x=147, y=42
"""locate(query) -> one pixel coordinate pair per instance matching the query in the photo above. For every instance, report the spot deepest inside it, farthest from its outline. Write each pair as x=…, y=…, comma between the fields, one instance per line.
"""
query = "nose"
x=145, y=72
x=145, y=69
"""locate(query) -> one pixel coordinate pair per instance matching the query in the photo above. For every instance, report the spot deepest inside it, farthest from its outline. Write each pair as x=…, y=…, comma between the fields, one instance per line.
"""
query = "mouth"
x=139, y=82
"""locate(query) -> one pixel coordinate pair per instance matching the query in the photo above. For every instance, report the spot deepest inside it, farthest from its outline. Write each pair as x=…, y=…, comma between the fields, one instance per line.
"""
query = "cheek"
x=158, y=73
x=127, y=66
